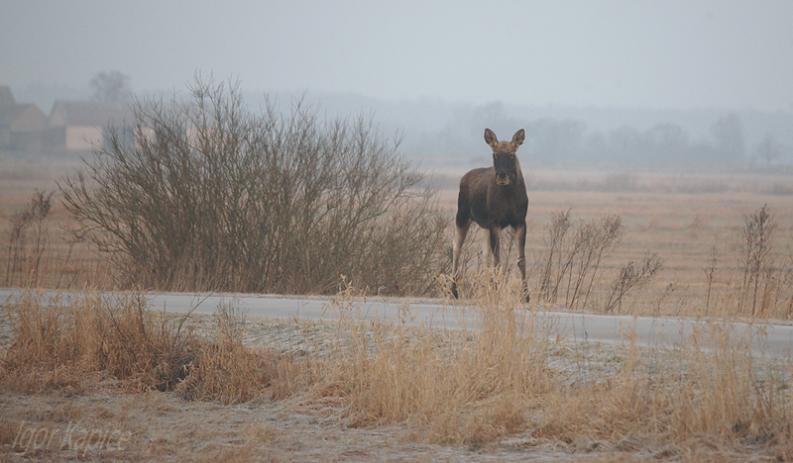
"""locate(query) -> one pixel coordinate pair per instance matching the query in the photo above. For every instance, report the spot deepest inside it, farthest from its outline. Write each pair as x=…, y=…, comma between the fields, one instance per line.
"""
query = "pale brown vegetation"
x=461, y=387
x=224, y=369
x=257, y=203
x=27, y=241
x=95, y=339
x=710, y=399
x=117, y=339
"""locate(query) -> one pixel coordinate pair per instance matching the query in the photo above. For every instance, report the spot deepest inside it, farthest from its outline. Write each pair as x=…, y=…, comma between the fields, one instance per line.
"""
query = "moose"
x=495, y=198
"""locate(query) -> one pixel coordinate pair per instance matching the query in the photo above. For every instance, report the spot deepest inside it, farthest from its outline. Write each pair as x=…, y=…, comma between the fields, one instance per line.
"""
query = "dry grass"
x=463, y=388
x=93, y=339
x=718, y=402
x=227, y=371
x=722, y=255
x=710, y=400
x=686, y=231
x=117, y=339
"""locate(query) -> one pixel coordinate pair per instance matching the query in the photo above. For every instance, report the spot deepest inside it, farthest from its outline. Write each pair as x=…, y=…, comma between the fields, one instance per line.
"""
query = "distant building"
x=6, y=97
x=21, y=125
x=83, y=125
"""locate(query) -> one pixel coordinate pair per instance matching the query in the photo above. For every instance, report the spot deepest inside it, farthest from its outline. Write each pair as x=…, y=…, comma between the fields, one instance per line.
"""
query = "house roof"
x=88, y=113
x=6, y=97
x=22, y=117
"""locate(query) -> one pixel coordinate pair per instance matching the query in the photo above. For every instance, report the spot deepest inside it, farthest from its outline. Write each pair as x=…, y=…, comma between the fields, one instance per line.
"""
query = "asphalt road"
x=767, y=339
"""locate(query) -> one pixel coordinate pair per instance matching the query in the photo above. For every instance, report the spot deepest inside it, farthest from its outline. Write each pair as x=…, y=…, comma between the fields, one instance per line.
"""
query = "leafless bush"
x=710, y=273
x=575, y=252
x=556, y=232
x=23, y=258
x=758, y=265
x=212, y=196
x=632, y=275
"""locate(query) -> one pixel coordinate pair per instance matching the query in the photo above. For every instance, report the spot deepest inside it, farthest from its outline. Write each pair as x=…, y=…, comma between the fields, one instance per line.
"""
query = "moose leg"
x=520, y=237
x=494, y=246
x=459, y=239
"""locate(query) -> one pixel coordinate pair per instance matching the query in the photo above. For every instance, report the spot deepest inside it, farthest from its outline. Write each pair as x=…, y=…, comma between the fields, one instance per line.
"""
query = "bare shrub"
x=212, y=196
x=710, y=274
x=758, y=270
x=23, y=258
x=556, y=232
x=575, y=253
x=632, y=275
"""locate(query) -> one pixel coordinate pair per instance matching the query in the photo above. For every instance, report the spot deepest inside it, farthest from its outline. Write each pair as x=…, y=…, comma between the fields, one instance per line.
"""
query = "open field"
x=512, y=390
x=687, y=230
x=693, y=222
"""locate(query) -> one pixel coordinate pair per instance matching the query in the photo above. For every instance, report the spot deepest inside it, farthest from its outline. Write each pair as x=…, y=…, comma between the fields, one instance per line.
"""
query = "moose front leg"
x=520, y=237
x=493, y=242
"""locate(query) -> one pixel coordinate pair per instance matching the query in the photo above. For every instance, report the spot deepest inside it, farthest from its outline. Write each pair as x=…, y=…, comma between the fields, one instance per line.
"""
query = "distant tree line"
x=563, y=141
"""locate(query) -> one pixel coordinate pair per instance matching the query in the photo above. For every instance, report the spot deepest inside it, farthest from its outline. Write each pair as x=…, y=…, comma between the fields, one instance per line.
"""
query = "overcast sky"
x=660, y=54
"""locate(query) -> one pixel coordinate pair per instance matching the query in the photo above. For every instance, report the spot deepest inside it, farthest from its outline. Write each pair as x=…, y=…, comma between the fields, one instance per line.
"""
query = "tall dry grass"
x=716, y=405
x=767, y=279
x=117, y=341
x=710, y=399
x=27, y=241
x=461, y=387
x=227, y=371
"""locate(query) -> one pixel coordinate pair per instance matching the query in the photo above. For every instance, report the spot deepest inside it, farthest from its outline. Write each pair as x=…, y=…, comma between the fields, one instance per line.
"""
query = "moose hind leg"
x=520, y=237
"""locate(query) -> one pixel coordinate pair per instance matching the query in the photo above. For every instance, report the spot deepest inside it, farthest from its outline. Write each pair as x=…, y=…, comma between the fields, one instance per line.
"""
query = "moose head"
x=505, y=161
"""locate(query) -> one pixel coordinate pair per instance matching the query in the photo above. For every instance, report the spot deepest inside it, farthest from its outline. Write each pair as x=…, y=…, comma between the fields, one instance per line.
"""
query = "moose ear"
x=518, y=138
x=490, y=137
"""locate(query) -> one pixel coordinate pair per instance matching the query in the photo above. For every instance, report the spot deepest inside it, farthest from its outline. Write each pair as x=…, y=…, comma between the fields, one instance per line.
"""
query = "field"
x=126, y=384
x=693, y=222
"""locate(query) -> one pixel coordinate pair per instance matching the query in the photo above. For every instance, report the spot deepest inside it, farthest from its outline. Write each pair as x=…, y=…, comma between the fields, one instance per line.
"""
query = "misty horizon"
x=618, y=54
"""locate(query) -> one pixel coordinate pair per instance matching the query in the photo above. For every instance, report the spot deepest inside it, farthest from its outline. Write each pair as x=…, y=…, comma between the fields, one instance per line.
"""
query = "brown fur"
x=494, y=198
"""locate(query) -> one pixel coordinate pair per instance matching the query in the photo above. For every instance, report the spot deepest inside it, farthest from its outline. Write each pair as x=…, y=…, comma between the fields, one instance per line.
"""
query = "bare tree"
x=769, y=150
x=111, y=87
x=728, y=137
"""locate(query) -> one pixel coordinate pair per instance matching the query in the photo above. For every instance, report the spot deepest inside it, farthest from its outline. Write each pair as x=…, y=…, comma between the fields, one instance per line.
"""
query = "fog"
x=435, y=70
